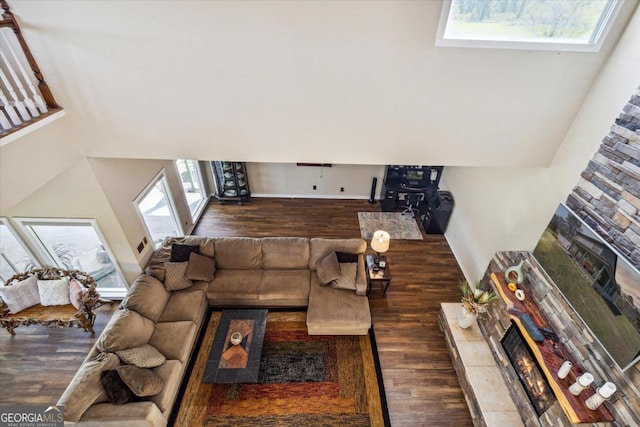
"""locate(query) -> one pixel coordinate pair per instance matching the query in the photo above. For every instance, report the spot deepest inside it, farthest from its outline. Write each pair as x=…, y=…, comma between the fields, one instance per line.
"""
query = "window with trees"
x=579, y=25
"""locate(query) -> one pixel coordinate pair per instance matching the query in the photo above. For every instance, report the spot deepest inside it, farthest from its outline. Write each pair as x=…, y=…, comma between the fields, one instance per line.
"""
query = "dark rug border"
x=185, y=380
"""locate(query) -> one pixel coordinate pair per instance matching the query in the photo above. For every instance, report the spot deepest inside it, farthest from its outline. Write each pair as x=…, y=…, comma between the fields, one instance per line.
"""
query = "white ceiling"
x=340, y=82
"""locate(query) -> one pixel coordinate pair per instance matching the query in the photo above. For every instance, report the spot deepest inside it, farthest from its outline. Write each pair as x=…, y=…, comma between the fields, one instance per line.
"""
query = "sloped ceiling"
x=341, y=82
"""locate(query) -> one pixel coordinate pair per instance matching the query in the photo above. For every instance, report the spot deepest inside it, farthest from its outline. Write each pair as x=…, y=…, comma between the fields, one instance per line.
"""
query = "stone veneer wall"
x=607, y=196
x=587, y=353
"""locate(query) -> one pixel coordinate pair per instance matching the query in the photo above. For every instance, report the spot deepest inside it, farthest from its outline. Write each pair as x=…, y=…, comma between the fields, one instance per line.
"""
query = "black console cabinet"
x=402, y=179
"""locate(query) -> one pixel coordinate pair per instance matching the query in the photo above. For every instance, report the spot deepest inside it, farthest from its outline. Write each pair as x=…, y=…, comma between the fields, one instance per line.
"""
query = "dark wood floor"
x=420, y=382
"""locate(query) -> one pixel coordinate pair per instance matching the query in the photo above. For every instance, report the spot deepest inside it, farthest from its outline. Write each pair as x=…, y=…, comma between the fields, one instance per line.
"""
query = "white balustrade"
x=18, y=105
x=37, y=99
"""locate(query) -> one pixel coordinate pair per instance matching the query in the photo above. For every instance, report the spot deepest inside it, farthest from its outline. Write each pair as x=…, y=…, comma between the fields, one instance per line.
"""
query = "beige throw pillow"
x=21, y=295
x=174, y=277
x=142, y=382
x=328, y=269
x=144, y=356
x=200, y=267
x=54, y=292
x=348, y=278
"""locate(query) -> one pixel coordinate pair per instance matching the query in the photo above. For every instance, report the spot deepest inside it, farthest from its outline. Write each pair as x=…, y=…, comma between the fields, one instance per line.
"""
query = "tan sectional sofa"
x=249, y=272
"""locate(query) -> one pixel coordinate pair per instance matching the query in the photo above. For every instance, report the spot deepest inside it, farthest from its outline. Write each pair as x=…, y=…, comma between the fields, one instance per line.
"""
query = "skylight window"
x=568, y=25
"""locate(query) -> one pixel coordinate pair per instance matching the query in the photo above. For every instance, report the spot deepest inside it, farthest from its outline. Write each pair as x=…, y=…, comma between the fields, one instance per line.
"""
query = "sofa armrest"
x=361, y=277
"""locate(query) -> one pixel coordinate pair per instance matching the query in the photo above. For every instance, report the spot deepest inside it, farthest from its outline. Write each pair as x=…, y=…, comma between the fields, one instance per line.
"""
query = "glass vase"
x=466, y=318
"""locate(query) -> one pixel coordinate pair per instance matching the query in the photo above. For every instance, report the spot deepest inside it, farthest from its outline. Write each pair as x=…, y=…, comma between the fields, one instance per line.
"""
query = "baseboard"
x=310, y=196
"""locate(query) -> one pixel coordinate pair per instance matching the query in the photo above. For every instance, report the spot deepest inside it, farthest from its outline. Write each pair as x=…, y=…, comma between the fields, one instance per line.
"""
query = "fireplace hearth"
x=526, y=366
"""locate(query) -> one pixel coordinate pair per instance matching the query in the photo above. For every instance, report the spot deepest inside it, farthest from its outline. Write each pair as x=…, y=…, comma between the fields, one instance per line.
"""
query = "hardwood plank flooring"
x=421, y=385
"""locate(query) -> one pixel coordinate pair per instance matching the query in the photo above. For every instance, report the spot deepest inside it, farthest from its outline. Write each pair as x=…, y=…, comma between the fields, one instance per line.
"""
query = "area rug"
x=397, y=225
x=304, y=380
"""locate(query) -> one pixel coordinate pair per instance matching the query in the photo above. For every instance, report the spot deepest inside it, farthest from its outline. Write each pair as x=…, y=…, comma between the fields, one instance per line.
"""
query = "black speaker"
x=374, y=184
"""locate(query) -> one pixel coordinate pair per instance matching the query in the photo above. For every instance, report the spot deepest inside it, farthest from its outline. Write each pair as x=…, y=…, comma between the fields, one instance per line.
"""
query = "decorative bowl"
x=236, y=338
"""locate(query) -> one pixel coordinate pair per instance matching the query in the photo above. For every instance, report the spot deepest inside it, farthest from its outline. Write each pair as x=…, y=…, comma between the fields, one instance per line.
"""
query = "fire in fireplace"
x=526, y=366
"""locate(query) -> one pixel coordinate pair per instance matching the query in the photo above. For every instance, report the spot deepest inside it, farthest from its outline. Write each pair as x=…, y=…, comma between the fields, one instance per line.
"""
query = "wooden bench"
x=54, y=315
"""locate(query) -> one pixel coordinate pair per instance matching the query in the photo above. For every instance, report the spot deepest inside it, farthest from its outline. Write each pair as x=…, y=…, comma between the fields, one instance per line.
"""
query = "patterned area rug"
x=397, y=225
x=304, y=380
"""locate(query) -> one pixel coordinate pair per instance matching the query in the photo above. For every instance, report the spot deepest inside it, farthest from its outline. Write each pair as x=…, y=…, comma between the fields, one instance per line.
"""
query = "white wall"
x=76, y=193
x=286, y=82
x=501, y=209
x=289, y=180
x=122, y=180
x=33, y=160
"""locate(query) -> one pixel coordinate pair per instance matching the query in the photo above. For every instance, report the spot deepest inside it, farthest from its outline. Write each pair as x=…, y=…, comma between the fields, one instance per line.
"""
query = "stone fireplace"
x=578, y=343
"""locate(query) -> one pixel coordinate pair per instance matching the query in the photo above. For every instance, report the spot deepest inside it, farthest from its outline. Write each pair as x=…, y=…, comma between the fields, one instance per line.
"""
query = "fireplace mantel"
x=550, y=356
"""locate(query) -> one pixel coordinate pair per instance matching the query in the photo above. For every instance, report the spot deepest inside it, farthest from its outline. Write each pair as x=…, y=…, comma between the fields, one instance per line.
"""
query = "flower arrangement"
x=475, y=299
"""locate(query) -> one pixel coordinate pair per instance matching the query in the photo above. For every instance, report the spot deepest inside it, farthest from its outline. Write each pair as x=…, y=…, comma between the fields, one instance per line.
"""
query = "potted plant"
x=474, y=300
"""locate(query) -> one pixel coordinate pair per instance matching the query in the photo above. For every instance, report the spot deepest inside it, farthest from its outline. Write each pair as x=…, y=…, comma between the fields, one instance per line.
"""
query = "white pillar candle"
x=607, y=390
x=564, y=369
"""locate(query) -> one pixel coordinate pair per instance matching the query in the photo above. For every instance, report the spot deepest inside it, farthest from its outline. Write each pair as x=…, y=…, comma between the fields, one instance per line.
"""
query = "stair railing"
x=21, y=103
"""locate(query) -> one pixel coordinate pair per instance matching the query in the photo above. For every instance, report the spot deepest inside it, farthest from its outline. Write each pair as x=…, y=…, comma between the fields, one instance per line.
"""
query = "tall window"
x=14, y=257
x=579, y=25
x=157, y=211
x=76, y=244
x=191, y=179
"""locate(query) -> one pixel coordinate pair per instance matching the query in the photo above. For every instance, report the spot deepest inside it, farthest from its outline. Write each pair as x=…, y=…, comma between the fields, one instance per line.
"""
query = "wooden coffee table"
x=229, y=363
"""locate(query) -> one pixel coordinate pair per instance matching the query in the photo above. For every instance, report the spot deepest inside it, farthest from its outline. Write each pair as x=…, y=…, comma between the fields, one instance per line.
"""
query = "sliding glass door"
x=76, y=244
x=157, y=210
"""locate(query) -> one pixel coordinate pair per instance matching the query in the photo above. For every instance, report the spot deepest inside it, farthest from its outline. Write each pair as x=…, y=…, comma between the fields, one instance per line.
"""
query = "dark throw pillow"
x=328, y=269
x=180, y=253
x=344, y=257
x=117, y=391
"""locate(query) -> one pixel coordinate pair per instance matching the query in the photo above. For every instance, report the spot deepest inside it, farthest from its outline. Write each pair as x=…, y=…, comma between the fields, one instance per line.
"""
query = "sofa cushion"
x=320, y=247
x=126, y=329
x=117, y=391
x=54, y=292
x=141, y=381
x=21, y=295
x=143, y=356
x=328, y=268
x=289, y=253
x=174, y=278
x=185, y=306
x=240, y=284
x=174, y=339
x=347, y=279
x=238, y=253
x=200, y=267
x=181, y=253
x=284, y=284
x=147, y=297
x=171, y=375
x=85, y=388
